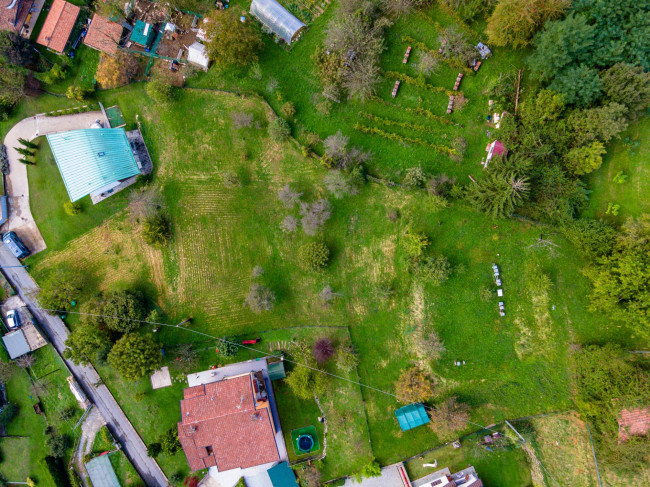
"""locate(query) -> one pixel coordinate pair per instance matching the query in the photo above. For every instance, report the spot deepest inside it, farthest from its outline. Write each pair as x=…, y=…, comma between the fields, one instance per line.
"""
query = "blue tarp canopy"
x=411, y=416
x=281, y=475
x=91, y=159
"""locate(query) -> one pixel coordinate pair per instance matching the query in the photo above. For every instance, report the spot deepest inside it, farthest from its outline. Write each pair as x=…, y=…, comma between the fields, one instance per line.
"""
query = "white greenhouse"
x=277, y=19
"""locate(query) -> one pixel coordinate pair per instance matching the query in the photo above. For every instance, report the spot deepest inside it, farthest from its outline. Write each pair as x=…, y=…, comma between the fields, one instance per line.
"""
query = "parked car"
x=13, y=319
x=17, y=248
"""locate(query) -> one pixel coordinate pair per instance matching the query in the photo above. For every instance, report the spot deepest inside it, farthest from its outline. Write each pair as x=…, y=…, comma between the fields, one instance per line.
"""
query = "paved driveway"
x=56, y=330
x=20, y=216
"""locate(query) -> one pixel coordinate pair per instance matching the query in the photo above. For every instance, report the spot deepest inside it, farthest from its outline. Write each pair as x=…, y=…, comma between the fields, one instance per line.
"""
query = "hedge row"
x=409, y=80
x=418, y=110
x=58, y=472
x=400, y=138
x=453, y=63
x=397, y=123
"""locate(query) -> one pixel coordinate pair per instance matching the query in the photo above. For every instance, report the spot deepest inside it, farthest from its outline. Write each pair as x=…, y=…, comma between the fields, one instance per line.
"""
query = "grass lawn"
x=631, y=157
x=125, y=472
x=502, y=467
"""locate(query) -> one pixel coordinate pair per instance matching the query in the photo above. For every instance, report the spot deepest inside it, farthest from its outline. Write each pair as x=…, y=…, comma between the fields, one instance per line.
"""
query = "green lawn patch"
x=125, y=472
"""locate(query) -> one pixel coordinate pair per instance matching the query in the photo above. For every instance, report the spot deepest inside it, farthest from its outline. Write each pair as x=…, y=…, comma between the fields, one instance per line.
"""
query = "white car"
x=13, y=319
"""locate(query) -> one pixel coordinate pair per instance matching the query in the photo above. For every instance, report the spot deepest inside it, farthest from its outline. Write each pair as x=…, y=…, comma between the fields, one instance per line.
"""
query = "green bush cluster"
x=400, y=138
x=313, y=256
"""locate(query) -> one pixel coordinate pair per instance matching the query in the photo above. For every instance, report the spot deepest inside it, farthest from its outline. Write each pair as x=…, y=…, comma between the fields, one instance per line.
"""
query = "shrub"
x=372, y=469
x=323, y=350
x=346, y=359
x=227, y=347
x=154, y=449
x=72, y=208
x=414, y=244
x=434, y=270
x=169, y=441
x=259, y=298
x=135, y=356
x=8, y=413
x=304, y=382
x=156, y=230
x=176, y=477
x=58, y=444
x=57, y=471
x=279, y=129
x=288, y=110
x=160, y=91
x=313, y=256
x=67, y=413
x=76, y=93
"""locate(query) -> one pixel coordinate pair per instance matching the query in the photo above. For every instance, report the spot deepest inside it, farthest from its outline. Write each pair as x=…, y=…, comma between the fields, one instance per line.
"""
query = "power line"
x=261, y=352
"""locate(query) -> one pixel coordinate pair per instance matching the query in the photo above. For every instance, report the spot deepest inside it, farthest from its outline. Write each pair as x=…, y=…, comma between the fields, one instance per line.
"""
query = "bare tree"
x=449, y=417
x=259, y=298
x=362, y=79
x=186, y=357
x=289, y=224
x=288, y=196
x=144, y=202
x=315, y=215
x=428, y=64
x=399, y=8
x=336, y=146
x=26, y=361
x=327, y=295
x=258, y=271
x=242, y=119
x=339, y=185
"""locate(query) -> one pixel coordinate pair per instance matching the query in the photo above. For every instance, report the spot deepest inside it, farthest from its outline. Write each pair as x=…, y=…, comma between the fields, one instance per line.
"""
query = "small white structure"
x=196, y=55
x=277, y=19
x=78, y=393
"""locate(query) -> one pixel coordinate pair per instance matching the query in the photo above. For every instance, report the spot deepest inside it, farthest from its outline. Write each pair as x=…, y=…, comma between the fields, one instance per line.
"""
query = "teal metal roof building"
x=281, y=475
x=143, y=33
x=92, y=159
x=412, y=416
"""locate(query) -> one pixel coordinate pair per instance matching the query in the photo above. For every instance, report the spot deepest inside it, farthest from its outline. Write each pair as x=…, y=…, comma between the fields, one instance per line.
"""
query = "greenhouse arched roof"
x=277, y=18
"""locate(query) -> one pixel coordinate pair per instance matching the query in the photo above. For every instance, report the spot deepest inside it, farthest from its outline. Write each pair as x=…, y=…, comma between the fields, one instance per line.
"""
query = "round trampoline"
x=305, y=443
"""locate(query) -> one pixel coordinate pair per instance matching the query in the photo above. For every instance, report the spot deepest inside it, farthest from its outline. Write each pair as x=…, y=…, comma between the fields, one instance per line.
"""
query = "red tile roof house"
x=58, y=26
x=229, y=425
x=13, y=14
x=633, y=422
x=103, y=35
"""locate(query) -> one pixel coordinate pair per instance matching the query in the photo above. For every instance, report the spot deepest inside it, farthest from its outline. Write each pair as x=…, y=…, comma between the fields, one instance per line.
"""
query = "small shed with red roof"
x=494, y=148
x=58, y=25
x=103, y=34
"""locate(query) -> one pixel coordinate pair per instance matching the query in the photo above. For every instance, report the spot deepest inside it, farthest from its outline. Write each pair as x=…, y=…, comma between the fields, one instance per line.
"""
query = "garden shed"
x=16, y=344
x=92, y=160
x=411, y=416
x=277, y=19
x=143, y=34
x=196, y=55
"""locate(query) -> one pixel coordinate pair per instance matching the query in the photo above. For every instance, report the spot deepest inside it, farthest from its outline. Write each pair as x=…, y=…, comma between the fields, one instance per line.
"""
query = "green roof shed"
x=412, y=416
x=92, y=159
x=281, y=475
x=143, y=33
x=276, y=370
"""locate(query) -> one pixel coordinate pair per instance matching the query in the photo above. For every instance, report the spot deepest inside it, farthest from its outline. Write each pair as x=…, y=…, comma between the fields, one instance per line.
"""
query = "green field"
x=513, y=367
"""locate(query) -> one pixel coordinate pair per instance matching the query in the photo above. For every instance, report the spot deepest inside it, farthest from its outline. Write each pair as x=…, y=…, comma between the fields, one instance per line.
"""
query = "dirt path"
x=20, y=215
x=89, y=429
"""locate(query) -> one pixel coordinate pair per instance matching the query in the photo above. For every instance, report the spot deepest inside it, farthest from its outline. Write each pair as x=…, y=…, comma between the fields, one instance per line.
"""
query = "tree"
x=306, y=382
x=259, y=298
x=144, y=202
x=279, y=129
x=498, y=195
x=118, y=70
x=580, y=84
x=87, y=343
x=414, y=177
x=601, y=123
x=585, y=159
x=346, y=358
x=154, y=449
x=435, y=269
x=621, y=282
x=169, y=443
x=627, y=85
x=313, y=256
x=15, y=50
x=160, y=91
x=323, y=350
x=134, y=356
x=449, y=417
x=27, y=143
x=370, y=469
x=362, y=78
x=338, y=184
x=156, y=229
x=71, y=208
x=76, y=93
x=514, y=22
x=314, y=215
x=123, y=310
x=7, y=370
x=12, y=88
x=592, y=237
x=227, y=347
x=8, y=413
x=231, y=42
x=414, y=244
x=414, y=385
x=59, y=289
x=57, y=444
x=288, y=196
x=289, y=224
x=186, y=358
x=428, y=64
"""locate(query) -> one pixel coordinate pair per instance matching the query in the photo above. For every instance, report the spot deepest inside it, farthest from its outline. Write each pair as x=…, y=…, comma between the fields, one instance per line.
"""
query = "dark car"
x=17, y=248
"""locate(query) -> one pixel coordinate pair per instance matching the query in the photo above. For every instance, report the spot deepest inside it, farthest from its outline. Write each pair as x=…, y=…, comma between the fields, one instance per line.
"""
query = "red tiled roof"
x=220, y=426
x=103, y=34
x=13, y=19
x=58, y=25
x=633, y=422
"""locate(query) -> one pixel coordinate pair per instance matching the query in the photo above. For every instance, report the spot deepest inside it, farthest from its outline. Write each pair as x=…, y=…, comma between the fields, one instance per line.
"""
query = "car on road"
x=16, y=246
x=13, y=319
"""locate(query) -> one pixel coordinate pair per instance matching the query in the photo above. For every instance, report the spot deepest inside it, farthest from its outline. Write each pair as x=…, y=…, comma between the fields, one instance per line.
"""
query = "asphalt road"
x=87, y=376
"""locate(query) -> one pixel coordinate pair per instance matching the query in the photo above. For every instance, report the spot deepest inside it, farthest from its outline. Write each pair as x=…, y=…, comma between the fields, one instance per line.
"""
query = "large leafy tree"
x=581, y=85
x=135, y=356
x=515, y=22
x=121, y=310
x=627, y=85
x=231, y=42
x=622, y=280
x=585, y=159
x=15, y=49
x=59, y=289
x=601, y=123
x=86, y=343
